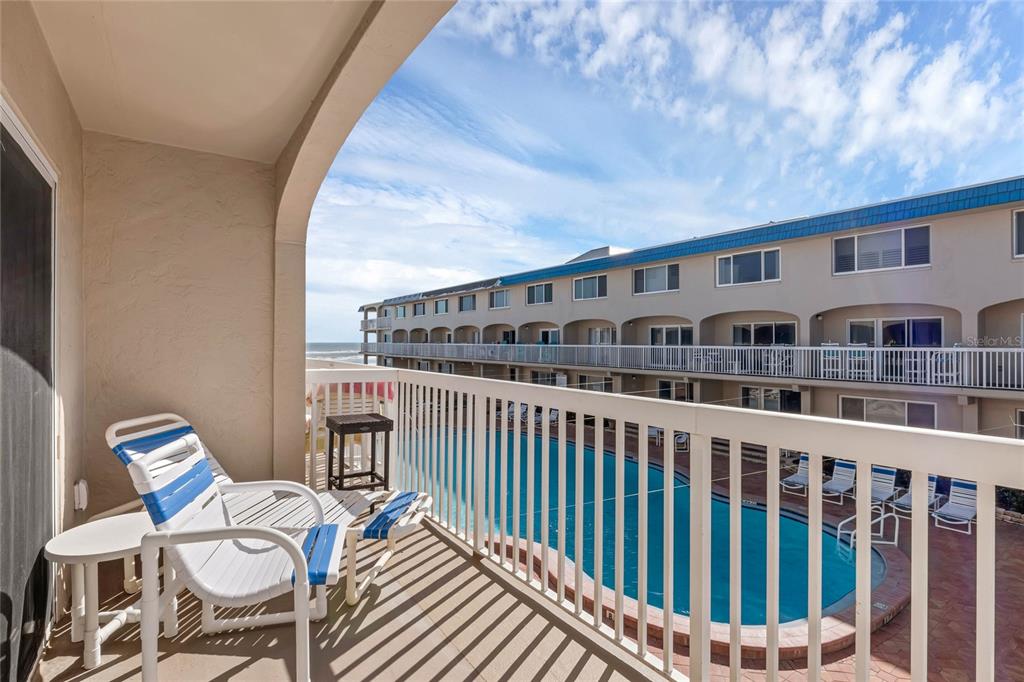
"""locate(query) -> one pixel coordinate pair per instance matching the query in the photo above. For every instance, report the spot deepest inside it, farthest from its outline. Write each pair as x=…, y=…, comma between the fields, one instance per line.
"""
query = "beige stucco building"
x=910, y=311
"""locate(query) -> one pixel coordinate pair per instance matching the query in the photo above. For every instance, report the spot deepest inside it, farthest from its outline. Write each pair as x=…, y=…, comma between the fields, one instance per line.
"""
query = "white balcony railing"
x=374, y=323
x=993, y=368
x=452, y=436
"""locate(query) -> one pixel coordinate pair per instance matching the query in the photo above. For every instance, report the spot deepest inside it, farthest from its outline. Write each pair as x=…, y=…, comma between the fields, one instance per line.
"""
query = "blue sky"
x=521, y=134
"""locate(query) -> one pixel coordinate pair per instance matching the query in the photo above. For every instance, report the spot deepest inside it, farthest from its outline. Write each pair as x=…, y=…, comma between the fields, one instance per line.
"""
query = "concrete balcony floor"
x=435, y=614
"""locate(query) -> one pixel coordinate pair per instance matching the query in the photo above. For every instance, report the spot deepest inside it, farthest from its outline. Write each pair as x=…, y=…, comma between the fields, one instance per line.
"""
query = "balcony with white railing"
x=969, y=368
x=372, y=324
x=720, y=565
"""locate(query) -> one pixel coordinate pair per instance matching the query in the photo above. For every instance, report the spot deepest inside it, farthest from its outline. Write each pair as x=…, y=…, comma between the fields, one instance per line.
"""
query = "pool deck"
x=951, y=577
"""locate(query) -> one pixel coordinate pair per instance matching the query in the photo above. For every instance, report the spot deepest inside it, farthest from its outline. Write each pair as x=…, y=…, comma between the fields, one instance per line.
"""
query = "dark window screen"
x=26, y=411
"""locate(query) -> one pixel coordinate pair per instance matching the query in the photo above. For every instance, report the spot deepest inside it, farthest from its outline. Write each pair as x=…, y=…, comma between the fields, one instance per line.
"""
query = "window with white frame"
x=400, y=311
x=386, y=312
x=906, y=247
x=423, y=365
x=1018, y=234
x=595, y=383
x=446, y=368
x=887, y=411
x=764, y=334
x=441, y=307
x=419, y=309
x=770, y=399
x=656, y=278
x=902, y=332
x=544, y=378
x=586, y=288
x=671, y=335
x=550, y=337
x=749, y=268
x=389, y=362
x=467, y=303
x=537, y=294
x=601, y=336
x=497, y=299
x=670, y=389
x=1020, y=424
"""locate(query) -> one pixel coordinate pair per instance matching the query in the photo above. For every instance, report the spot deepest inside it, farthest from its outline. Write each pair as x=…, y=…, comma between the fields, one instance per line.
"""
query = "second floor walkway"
x=970, y=368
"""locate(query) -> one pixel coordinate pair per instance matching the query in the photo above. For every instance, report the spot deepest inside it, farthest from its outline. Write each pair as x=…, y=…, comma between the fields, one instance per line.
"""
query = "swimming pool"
x=838, y=564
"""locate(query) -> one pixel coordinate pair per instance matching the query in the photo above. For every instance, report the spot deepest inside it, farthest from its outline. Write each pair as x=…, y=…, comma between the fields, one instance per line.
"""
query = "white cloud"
x=849, y=78
x=646, y=122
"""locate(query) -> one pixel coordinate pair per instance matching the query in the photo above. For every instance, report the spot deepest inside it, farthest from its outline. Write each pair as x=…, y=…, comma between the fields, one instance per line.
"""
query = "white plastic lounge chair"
x=961, y=508
x=903, y=504
x=261, y=503
x=232, y=565
x=538, y=417
x=798, y=482
x=883, y=485
x=843, y=480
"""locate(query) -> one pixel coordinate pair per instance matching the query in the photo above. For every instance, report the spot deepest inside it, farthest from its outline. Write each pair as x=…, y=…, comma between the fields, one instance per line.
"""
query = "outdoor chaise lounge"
x=260, y=502
x=179, y=483
x=844, y=478
x=903, y=504
x=961, y=508
x=798, y=482
x=883, y=484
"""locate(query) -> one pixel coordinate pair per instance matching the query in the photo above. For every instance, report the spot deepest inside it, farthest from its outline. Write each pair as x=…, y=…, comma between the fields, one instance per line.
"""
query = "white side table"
x=83, y=548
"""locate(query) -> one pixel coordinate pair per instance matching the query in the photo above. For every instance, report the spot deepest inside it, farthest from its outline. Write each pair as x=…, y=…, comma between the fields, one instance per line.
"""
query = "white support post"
x=772, y=568
x=985, y=630
x=920, y=528
x=479, y=469
x=735, y=559
x=814, y=474
x=862, y=662
x=700, y=557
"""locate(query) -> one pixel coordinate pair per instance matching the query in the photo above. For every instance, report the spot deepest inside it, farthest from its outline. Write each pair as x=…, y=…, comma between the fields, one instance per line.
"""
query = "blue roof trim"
x=898, y=210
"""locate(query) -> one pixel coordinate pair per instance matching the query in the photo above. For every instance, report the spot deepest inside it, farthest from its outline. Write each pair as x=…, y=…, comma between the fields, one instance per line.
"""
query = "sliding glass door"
x=26, y=405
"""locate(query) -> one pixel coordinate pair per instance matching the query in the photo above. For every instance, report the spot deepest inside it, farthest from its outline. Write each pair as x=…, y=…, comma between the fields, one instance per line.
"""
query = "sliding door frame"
x=14, y=124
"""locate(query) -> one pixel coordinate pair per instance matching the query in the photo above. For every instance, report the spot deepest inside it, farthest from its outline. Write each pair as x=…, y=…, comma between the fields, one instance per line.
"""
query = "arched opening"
x=1000, y=325
x=919, y=325
x=418, y=335
x=400, y=336
x=467, y=334
x=499, y=333
x=595, y=332
x=750, y=327
x=657, y=330
x=545, y=333
x=440, y=335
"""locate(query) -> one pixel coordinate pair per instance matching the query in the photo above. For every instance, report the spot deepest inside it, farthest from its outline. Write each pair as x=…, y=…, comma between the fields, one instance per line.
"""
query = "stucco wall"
x=179, y=277
x=33, y=88
x=997, y=417
x=971, y=269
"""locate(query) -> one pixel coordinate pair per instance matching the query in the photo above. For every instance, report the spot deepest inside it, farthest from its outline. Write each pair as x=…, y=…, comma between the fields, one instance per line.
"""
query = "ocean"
x=345, y=352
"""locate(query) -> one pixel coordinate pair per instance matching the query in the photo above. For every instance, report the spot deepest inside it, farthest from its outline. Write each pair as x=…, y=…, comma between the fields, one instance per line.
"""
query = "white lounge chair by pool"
x=798, y=482
x=903, y=504
x=883, y=484
x=961, y=508
x=844, y=478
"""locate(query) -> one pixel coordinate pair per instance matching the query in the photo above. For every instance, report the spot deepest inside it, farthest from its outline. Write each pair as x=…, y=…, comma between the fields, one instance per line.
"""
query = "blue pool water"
x=838, y=564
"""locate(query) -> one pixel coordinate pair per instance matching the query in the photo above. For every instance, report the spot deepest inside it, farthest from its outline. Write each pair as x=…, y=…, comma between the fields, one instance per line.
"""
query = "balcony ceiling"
x=231, y=78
